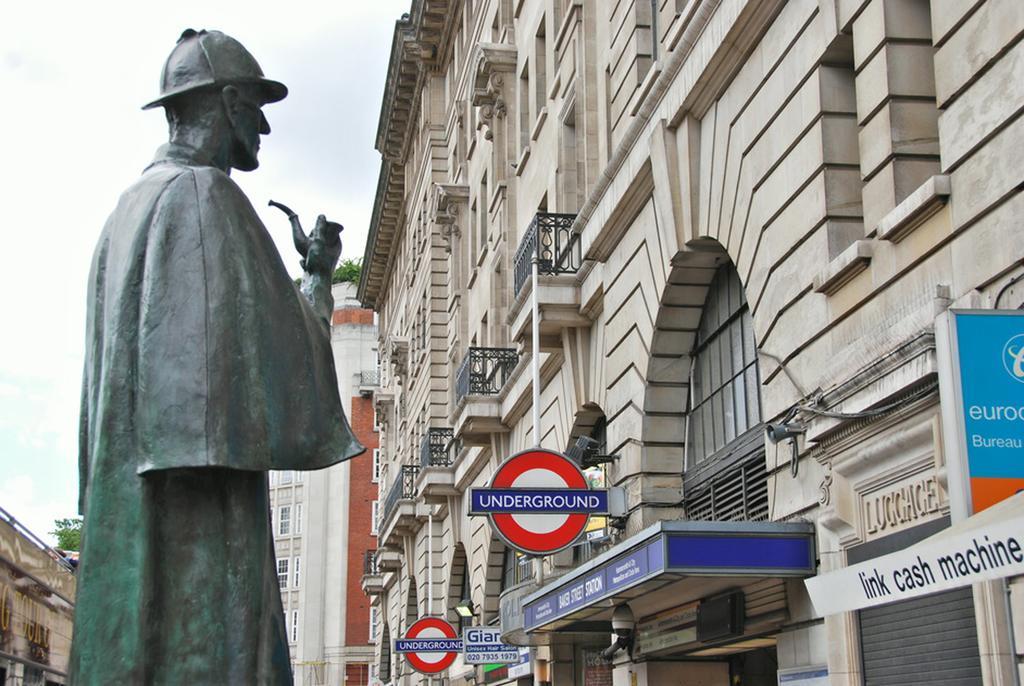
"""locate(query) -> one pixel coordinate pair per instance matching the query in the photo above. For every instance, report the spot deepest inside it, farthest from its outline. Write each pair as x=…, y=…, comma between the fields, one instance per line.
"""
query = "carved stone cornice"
x=445, y=199
x=436, y=22
x=490, y=63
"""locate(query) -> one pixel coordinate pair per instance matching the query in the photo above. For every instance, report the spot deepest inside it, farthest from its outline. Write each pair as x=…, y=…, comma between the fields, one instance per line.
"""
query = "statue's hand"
x=324, y=247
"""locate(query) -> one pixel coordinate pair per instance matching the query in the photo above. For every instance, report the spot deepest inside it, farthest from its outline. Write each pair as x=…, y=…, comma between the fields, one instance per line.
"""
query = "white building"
x=322, y=527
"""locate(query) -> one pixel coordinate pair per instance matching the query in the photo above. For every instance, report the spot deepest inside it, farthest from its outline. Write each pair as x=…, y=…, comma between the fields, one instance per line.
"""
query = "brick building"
x=323, y=523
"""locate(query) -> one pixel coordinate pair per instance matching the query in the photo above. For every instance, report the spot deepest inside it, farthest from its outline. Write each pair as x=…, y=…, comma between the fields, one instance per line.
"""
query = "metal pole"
x=536, y=347
x=430, y=561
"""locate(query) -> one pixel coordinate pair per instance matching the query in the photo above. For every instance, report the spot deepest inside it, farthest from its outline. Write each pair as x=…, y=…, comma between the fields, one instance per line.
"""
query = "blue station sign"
x=682, y=548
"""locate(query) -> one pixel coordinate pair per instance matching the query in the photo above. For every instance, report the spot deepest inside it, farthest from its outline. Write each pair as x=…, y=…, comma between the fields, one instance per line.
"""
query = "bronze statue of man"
x=205, y=367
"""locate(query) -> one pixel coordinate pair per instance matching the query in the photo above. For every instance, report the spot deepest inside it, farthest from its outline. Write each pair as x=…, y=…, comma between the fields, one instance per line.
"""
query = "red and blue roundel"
x=430, y=645
x=539, y=501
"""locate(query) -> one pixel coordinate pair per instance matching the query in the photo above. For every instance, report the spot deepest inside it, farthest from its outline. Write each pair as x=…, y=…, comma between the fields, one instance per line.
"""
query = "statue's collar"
x=178, y=153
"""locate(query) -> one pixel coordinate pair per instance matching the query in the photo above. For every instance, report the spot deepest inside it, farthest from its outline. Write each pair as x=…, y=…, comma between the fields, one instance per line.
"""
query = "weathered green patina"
x=205, y=367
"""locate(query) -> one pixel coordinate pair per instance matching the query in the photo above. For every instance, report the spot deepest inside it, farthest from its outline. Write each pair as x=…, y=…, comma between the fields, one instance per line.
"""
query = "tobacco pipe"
x=326, y=236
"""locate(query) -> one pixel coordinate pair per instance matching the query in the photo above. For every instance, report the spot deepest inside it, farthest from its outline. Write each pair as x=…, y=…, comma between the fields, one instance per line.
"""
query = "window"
x=373, y=623
x=374, y=516
x=725, y=476
x=524, y=106
x=297, y=529
x=295, y=571
x=282, y=573
x=482, y=222
x=376, y=464
x=724, y=380
x=515, y=568
x=286, y=477
x=294, y=626
x=284, y=520
x=540, y=68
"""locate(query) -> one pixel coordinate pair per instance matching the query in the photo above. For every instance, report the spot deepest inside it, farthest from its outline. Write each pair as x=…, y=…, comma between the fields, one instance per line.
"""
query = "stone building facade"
x=744, y=212
x=322, y=522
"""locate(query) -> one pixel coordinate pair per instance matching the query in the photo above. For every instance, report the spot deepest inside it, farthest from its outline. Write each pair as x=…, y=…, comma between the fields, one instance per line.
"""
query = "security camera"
x=782, y=431
x=623, y=625
x=622, y=621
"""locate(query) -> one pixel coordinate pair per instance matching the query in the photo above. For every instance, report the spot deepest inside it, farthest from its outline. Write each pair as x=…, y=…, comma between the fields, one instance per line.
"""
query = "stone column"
x=896, y=110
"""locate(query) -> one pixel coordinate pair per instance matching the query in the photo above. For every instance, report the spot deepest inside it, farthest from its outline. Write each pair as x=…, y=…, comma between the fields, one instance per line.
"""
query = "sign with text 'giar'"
x=539, y=501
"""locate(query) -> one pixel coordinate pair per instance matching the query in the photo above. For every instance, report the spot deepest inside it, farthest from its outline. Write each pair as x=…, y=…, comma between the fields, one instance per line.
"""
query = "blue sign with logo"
x=989, y=363
x=617, y=575
x=724, y=554
x=539, y=501
x=700, y=551
x=428, y=645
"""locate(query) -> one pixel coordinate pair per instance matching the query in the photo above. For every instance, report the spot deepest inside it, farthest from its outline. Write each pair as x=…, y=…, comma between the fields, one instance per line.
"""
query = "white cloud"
x=36, y=510
x=72, y=138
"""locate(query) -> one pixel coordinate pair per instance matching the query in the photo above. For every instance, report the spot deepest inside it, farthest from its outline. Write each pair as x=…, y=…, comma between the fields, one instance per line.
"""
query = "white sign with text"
x=945, y=561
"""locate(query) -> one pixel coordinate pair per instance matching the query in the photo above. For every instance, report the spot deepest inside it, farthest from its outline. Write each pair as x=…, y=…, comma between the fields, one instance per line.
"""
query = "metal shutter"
x=929, y=640
x=919, y=642
x=732, y=485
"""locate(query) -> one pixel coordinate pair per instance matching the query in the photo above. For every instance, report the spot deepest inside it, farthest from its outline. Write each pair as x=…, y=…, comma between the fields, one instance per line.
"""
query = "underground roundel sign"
x=430, y=645
x=539, y=501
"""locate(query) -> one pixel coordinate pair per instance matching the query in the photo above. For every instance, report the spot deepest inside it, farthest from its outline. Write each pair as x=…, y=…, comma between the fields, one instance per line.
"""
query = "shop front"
x=37, y=591
x=708, y=598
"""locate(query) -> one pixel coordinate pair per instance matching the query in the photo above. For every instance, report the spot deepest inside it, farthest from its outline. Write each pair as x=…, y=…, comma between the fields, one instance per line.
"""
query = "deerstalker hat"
x=211, y=58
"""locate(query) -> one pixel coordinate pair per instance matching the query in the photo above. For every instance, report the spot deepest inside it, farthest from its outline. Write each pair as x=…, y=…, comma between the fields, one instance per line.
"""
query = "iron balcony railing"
x=439, y=448
x=484, y=371
x=370, y=563
x=403, y=488
x=551, y=239
x=370, y=378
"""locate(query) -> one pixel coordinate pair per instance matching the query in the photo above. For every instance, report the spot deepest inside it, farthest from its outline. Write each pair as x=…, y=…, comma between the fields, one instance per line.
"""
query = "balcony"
x=388, y=560
x=478, y=385
x=437, y=448
x=398, y=513
x=369, y=381
x=372, y=580
x=438, y=451
x=551, y=239
x=484, y=371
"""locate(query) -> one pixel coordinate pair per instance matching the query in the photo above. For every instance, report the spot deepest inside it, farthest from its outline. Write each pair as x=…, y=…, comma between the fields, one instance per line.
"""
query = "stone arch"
x=584, y=422
x=384, y=665
x=412, y=605
x=458, y=569
x=490, y=578
x=704, y=317
x=666, y=398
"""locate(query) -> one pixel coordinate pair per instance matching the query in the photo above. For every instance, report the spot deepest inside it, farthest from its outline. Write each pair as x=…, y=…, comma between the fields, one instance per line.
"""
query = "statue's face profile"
x=245, y=115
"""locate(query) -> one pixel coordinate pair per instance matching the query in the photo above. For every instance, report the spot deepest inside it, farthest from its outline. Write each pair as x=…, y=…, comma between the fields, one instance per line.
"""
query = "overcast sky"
x=72, y=137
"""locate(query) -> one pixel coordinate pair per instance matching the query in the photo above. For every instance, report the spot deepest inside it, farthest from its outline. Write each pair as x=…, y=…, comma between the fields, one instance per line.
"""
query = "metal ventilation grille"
x=739, y=494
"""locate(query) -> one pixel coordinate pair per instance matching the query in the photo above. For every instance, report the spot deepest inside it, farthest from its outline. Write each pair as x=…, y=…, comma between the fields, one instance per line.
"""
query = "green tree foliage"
x=348, y=270
x=68, y=533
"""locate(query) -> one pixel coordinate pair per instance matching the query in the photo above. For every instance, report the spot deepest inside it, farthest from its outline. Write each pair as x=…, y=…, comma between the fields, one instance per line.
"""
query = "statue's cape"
x=200, y=350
